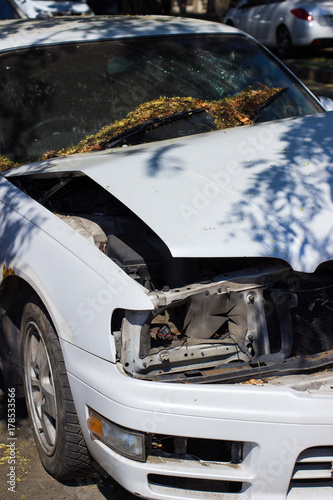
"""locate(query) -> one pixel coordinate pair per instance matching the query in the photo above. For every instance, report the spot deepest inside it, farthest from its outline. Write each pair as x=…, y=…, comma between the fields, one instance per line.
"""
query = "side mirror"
x=326, y=102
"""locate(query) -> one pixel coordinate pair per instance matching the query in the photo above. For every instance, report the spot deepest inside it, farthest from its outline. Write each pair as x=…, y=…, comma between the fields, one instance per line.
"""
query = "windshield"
x=53, y=97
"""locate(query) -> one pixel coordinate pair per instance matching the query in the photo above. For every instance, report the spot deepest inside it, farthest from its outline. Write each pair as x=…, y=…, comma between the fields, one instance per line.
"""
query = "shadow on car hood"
x=261, y=190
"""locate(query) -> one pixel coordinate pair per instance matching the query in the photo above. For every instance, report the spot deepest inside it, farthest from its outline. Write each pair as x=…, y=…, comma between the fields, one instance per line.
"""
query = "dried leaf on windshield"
x=226, y=113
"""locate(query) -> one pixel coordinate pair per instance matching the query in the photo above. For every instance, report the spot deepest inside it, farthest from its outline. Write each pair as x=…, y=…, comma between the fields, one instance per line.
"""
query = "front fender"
x=79, y=285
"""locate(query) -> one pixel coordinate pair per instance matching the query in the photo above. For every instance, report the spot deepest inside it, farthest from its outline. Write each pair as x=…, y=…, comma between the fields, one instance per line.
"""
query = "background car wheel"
x=283, y=42
x=56, y=428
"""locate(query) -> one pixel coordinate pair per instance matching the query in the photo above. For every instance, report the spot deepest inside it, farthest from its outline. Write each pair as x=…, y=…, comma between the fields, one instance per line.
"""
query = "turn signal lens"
x=124, y=441
x=95, y=425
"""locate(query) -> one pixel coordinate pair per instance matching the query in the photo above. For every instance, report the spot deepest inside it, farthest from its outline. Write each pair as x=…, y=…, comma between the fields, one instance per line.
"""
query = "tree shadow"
x=287, y=201
x=17, y=231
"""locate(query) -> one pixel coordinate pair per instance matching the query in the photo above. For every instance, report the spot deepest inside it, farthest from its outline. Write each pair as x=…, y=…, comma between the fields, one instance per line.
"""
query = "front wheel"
x=56, y=428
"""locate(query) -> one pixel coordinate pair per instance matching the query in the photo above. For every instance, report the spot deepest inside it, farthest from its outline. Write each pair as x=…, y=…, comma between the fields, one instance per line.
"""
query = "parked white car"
x=285, y=24
x=50, y=8
x=166, y=244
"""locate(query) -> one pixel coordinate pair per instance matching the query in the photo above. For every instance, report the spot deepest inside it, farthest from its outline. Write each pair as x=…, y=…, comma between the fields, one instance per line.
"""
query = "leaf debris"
x=226, y=113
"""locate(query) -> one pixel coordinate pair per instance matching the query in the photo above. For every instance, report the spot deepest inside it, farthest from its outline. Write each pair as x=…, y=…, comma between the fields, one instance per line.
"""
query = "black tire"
x=284, y=47
x=57, y=432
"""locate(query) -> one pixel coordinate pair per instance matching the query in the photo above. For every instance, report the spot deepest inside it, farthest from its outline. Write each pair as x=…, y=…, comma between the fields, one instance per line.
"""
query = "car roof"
x=26, y=33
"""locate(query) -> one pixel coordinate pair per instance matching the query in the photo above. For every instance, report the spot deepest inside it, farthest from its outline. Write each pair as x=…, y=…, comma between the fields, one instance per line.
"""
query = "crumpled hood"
x=261, y=190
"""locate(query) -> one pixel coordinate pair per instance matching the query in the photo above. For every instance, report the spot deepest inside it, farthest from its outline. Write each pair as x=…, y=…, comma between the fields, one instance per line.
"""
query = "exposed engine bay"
x=214, y=319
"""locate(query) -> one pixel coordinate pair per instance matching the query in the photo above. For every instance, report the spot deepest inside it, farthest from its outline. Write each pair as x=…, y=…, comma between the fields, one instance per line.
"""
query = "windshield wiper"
x=268, y=103
x=154, y=122
x=163, y=120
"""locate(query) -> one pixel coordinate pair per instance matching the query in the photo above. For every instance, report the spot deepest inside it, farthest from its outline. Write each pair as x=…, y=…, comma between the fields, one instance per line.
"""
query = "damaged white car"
x=166, y=250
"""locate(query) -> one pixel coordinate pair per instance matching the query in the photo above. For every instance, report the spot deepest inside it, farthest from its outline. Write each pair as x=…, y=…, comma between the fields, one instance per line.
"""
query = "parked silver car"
x=166, y=247
x=285, y=24
x=44, y=8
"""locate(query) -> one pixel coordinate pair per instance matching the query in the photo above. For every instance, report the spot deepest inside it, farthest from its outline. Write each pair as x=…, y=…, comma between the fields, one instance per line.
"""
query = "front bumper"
x=276, y=425
x=304, y=33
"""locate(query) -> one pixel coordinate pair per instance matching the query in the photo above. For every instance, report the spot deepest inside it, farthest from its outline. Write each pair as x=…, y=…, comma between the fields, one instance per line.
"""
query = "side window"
x=7, y=11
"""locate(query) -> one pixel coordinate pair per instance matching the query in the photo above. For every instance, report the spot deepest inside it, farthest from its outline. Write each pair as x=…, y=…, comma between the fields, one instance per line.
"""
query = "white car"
x=51, y=8
x=285, y=24
x=166, y=245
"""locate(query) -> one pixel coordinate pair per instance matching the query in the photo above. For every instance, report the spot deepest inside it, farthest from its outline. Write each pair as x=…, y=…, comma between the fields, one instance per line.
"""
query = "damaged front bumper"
x=251, y=323
x=217, y=441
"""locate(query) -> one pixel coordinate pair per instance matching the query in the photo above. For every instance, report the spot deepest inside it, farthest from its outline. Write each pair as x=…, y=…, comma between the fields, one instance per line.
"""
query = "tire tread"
x=76, y=462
